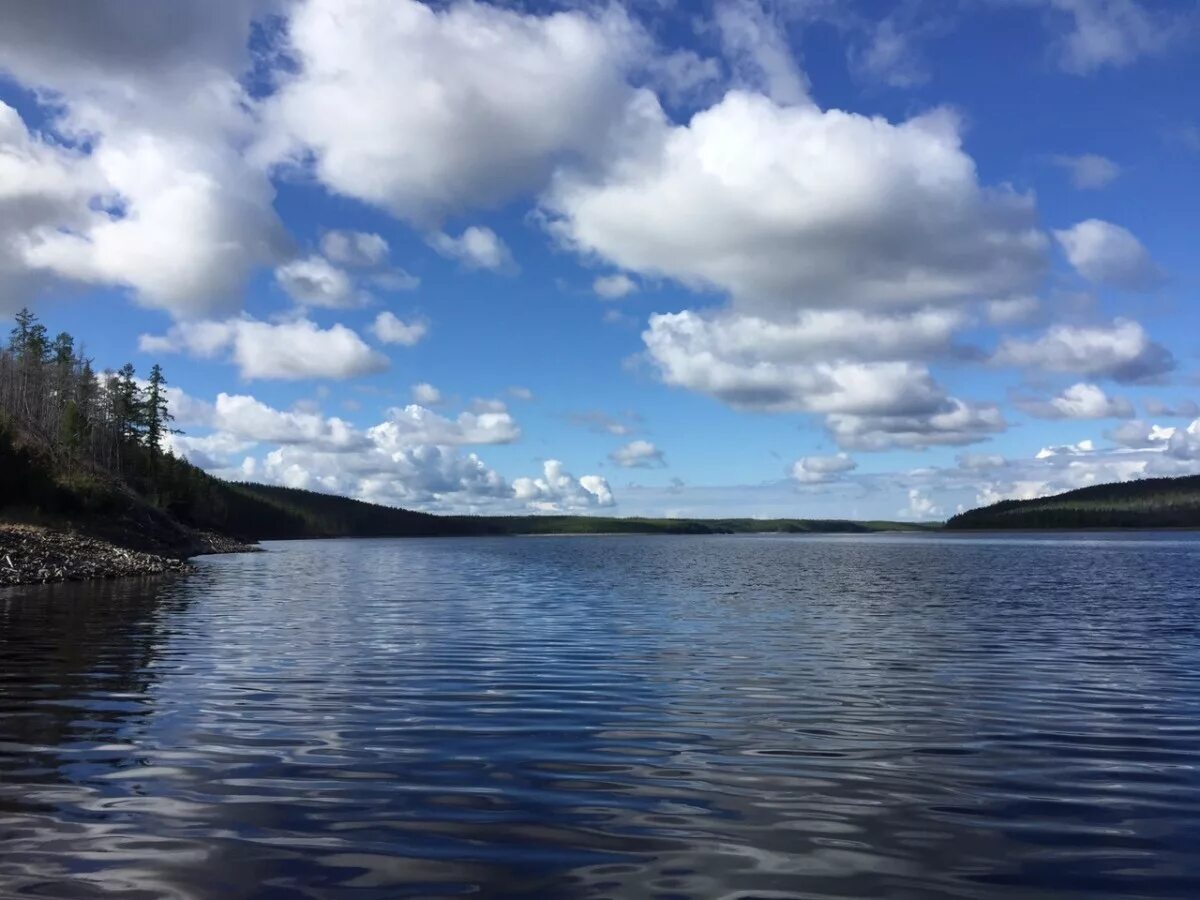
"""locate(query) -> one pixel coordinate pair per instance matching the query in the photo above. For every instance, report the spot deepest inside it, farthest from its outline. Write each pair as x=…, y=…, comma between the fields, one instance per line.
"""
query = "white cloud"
x=162, y=202
x=818, y=469
x=357, y=249
x=788, y=207
x=1105, y=253
x=638, y=455
x=1184, y=443
x=557, y=490
x=521, y=393
x=314, y=281
x=413, y=425
x=954, y=423
x=428, y=111
x=614, y=287
x=1081, y=401
x=426, y=394
x=1089, y=171
x=1139, y=435
x=920, y=506
x=390, y=329
x=476, y=248
x=1122, y=351
x=1112, y=33
x=757, y=48
x=249, y=419
x=293, y=350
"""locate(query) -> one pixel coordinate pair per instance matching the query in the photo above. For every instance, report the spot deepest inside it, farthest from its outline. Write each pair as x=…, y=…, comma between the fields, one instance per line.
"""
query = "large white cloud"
x=1105, y=253
x=162, y=199
x=428, y=111
x=787, y=207
x=293, y=350
x=1122, y=351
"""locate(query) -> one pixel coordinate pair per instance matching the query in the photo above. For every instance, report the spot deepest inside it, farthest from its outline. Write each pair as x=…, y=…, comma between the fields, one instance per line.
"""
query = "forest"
x=1145, y=503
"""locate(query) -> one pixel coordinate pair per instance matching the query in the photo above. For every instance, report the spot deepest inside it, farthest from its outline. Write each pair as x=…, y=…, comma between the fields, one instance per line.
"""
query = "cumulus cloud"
x=954, y=423
x=1089, y=171
x=1105, y=253
x=1080, y=401
x=390, y=329
x=476, y=248
x=1137, y=435
x=357, y=249
x=818, y=469
x=148, y=118
x=414, y=424
x=293, y=350
x=314, y=281
x=920, y=506
x=638, y=455
x=428, y=111
x=426, y=394
x=557, y=490
x=411, y=458
x=248, y=419
x=614, y=287
x=1121, y=351
x=794, y=206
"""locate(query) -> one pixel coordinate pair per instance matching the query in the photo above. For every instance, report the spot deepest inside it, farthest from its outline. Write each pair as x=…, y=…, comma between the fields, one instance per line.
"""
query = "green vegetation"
x=85, y=450
x=1147, y=503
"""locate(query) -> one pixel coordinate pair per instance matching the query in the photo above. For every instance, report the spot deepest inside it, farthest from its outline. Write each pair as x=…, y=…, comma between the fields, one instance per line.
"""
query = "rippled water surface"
x=612, y=717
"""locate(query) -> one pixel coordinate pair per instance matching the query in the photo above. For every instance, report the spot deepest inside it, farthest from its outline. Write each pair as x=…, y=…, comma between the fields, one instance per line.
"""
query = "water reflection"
x=635, y=717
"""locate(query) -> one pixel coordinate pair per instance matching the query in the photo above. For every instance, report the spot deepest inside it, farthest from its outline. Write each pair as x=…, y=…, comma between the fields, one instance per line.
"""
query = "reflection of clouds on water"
x=615, y=716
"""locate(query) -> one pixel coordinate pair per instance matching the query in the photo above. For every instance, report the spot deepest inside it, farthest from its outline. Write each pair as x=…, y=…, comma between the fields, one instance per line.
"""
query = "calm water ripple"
x=612, y=717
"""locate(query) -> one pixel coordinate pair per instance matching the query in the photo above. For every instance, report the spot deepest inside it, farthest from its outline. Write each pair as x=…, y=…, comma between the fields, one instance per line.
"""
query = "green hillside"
x=1146, y=503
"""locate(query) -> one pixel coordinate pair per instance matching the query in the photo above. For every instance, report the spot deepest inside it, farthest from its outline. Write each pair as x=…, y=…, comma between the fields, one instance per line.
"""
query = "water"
x=612, y=717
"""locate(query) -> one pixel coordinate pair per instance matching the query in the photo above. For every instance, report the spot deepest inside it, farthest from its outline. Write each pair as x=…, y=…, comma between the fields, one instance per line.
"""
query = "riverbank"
x=31, y=554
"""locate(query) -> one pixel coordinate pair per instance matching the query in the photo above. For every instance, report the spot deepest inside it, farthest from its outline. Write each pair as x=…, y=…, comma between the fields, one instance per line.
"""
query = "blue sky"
x=798, y=258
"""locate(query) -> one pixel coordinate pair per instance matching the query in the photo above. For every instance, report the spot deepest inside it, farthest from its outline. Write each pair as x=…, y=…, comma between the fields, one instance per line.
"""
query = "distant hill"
x=326, y=515
x=1146, y=503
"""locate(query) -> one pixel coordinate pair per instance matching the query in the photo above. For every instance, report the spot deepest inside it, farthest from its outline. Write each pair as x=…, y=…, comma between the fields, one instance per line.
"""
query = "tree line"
x=50, y=390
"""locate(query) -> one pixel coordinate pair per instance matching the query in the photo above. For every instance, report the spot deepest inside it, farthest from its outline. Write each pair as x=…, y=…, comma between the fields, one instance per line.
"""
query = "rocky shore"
x=34, y=555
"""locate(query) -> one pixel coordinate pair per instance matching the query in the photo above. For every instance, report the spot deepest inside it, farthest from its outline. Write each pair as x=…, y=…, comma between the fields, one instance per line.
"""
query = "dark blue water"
x=612, y=717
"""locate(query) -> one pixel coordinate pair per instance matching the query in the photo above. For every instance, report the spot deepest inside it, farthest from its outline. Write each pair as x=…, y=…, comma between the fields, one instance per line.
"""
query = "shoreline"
x=32, y=554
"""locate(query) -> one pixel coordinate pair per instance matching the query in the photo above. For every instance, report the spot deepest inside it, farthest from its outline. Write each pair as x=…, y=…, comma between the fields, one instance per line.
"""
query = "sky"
x=803, y=258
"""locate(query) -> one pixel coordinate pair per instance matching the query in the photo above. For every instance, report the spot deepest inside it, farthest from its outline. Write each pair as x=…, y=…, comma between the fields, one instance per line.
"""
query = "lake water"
x=613, y=717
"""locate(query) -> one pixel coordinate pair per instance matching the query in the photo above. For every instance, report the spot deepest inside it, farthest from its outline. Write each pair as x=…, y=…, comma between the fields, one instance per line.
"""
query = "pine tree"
x=157, y=415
